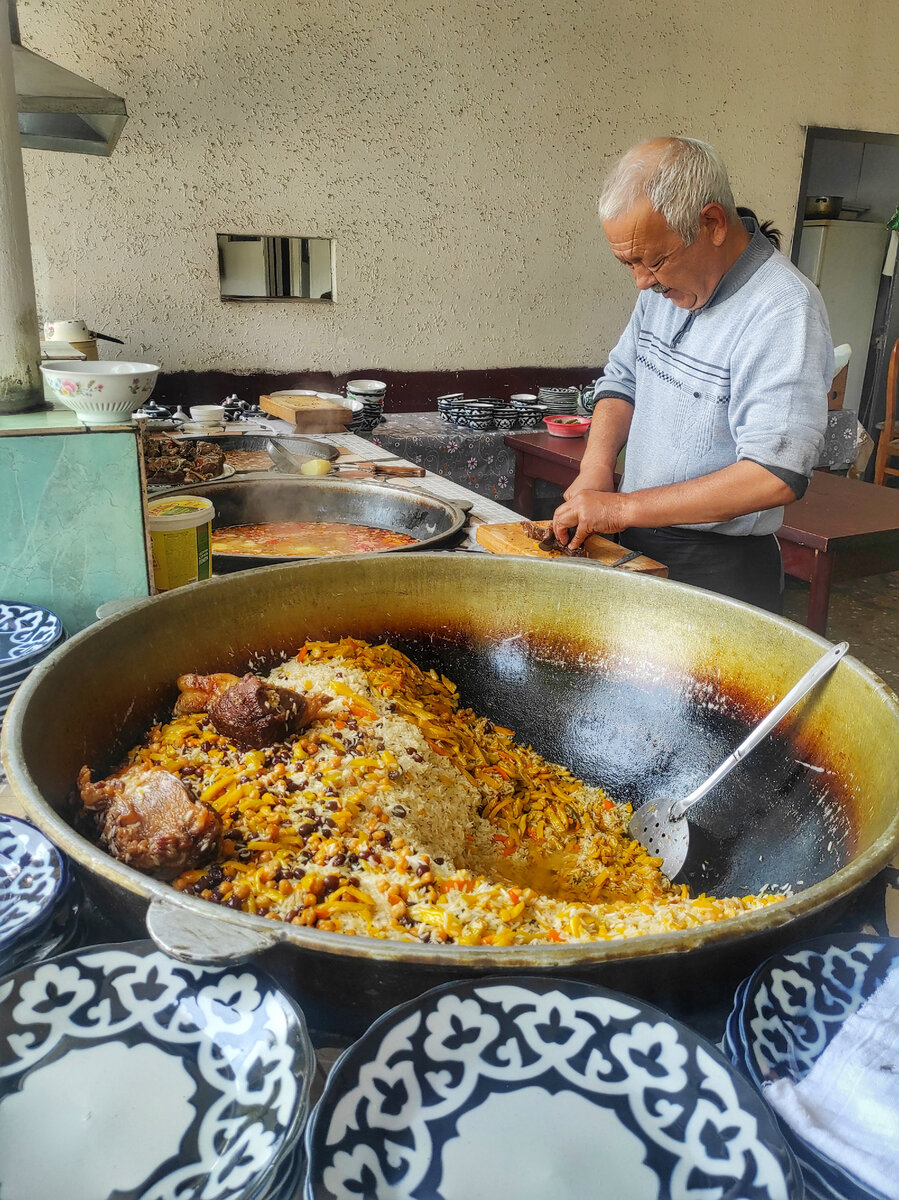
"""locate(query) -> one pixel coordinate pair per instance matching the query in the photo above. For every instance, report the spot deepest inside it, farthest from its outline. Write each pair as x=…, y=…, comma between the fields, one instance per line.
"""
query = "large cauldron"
x=639, y=683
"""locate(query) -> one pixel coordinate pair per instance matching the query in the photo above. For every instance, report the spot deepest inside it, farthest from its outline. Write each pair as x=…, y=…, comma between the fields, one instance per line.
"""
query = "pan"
x=263, y=498
x=637, y=683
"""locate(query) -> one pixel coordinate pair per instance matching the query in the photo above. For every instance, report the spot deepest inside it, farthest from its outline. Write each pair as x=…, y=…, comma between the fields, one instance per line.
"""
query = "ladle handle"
x=822, y=667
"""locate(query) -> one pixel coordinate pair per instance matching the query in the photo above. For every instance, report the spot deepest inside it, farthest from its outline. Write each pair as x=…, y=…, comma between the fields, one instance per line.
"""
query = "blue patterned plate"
x=32, y=876
x=540, y=1088
x=57, y=933
x=160, y=1080
x=793, y=1007
x=26, y=631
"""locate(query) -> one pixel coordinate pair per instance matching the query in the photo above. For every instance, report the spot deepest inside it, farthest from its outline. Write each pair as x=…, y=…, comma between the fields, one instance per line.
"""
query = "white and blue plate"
x=154, y=1079
x=33, y=876
x=26, y=633
x=60, y=931
x=539, y=1088
x=792, y=1008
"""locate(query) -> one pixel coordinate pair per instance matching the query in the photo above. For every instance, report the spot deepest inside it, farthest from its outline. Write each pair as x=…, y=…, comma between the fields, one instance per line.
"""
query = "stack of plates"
x=159, y=1078
x=787, y=1013
x=559, y=401
x=537, y=1088
x=40, y=901
x=27, y=634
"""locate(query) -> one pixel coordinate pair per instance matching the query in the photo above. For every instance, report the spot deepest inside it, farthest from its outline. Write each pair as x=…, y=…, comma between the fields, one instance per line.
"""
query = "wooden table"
x=840, y=529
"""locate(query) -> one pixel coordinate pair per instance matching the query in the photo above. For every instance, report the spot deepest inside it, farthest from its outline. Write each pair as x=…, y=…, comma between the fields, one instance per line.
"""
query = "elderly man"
x=718, y=384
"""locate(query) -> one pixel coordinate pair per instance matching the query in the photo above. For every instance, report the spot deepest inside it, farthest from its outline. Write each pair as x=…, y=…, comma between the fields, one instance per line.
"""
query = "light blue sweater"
x=744, y=377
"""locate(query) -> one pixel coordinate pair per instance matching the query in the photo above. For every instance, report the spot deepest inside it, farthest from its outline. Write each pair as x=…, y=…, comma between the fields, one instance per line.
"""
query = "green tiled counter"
x=72, y=532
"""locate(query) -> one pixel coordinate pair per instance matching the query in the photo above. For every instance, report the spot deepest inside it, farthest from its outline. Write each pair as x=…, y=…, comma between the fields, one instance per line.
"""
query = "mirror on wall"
x=260, y=267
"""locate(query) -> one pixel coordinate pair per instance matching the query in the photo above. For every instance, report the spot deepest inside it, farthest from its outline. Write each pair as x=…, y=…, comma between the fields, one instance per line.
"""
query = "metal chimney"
x=58, y=110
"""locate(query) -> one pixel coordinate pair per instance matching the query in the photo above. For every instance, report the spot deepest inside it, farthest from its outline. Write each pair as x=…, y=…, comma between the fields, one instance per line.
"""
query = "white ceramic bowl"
x=208, y=414
x=101, y=393
x=366, y=387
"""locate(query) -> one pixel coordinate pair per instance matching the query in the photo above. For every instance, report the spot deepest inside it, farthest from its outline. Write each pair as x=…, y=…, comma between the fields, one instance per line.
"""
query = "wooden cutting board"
x=308, y=413
x=512, y=539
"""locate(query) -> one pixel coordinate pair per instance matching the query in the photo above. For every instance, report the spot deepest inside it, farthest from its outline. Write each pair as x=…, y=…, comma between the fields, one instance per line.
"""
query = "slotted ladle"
x=661, y=825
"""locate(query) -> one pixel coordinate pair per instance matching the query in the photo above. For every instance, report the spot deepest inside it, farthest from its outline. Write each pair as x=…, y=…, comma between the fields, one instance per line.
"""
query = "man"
x=718, y=384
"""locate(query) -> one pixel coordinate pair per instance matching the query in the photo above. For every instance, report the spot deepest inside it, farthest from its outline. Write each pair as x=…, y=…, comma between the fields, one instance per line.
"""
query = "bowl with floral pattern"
x=100, y=393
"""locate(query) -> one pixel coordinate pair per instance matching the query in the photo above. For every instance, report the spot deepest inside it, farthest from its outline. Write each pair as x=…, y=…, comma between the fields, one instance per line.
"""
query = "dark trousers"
x=748, y=568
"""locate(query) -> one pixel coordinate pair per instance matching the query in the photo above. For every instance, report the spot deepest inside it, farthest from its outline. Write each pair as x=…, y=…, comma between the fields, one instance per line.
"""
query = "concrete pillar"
x=20, y=379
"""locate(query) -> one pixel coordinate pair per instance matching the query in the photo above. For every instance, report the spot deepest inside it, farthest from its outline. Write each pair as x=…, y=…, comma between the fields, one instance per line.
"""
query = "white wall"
x=452, y=148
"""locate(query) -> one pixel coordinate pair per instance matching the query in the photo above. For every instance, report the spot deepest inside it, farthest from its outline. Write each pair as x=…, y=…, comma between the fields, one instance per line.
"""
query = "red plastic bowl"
x=566, y=426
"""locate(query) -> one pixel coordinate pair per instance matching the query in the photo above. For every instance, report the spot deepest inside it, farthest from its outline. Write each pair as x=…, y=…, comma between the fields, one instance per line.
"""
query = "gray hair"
x=679, y=177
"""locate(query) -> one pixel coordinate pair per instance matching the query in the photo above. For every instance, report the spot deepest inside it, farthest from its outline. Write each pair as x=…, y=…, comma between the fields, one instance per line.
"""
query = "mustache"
x=657, y=287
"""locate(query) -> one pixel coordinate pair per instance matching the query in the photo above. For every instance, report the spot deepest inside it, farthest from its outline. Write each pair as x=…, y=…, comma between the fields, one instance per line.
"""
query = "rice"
x=399, y=814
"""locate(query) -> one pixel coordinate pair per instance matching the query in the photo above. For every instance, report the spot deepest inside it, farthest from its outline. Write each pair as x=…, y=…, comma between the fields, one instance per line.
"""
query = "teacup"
x=208, y=414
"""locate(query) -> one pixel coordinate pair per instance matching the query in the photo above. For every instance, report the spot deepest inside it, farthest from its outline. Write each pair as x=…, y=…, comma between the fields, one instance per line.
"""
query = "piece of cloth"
x=847, y=1106
x=747, y=568
x=744, y=377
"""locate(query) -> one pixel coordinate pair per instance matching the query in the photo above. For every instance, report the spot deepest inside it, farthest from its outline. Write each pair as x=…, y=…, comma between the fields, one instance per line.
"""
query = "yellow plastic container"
x=181, y=533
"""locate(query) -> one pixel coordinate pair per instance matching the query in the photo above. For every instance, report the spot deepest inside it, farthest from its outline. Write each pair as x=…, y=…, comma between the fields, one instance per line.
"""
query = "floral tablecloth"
x=476, y=460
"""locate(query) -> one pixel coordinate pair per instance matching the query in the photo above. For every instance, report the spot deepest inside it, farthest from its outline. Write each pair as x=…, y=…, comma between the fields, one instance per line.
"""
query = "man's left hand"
x=590, y=512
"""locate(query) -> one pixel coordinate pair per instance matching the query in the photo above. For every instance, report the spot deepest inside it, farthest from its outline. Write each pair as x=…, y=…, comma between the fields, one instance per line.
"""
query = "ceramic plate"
x=57, y=933
x=538, y=1088
x=793, y=1007
x=32, y=877
x=25, y=632
x=160, y=1080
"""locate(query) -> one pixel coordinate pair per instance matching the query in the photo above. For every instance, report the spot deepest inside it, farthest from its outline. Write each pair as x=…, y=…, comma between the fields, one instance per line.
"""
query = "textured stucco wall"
x=453, y=148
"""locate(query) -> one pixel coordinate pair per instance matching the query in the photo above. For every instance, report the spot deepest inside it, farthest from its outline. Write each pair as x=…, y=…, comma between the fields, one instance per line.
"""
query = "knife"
x=625, y=558
x=293, y=464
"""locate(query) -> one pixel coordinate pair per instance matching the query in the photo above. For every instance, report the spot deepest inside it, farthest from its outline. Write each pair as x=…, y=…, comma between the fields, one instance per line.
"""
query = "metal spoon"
x=660, y=825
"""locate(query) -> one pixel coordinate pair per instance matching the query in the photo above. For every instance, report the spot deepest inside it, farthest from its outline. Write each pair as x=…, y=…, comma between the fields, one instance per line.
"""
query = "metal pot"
x=638, y=683
x=823, y=207
x=349, y=502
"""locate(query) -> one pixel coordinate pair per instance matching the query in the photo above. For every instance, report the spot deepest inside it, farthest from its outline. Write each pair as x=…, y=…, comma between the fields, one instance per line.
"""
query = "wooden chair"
x=837, y=392
x=888, y=443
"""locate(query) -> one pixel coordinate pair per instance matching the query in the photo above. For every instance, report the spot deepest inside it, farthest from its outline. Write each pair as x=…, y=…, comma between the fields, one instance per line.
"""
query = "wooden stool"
x=888, y=443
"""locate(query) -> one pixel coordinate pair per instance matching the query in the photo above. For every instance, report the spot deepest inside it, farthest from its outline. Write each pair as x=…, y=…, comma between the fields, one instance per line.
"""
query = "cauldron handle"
x=193, y=939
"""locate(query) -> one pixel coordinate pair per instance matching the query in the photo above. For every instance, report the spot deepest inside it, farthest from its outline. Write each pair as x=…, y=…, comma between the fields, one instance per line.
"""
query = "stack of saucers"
x=170, y=1079
x=27, y=634
x=784, y=1017
x=560, y=401
x=40, y=900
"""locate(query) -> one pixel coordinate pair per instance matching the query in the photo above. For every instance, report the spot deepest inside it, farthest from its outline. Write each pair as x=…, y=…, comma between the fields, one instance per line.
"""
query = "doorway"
x=850, y=253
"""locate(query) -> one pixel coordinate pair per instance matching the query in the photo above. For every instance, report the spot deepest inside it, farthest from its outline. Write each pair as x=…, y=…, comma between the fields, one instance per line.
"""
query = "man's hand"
x=590, y=512
x=744, y=487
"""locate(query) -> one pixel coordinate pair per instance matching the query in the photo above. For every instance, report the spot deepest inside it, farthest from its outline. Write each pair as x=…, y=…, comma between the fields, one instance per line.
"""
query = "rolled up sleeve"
x=779, y=387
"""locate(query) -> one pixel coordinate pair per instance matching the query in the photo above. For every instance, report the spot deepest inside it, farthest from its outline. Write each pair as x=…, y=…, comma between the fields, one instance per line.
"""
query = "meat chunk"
x=547, y=540
x=150, y=820
x=254, y=713
x=199, y=691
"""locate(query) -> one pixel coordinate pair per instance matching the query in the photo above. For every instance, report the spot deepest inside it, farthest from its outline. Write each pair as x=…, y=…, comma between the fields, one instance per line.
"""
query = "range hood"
x=58, y=110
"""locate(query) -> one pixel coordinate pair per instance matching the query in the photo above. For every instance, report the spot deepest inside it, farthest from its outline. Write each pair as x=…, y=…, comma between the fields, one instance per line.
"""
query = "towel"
x=847, y=1107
